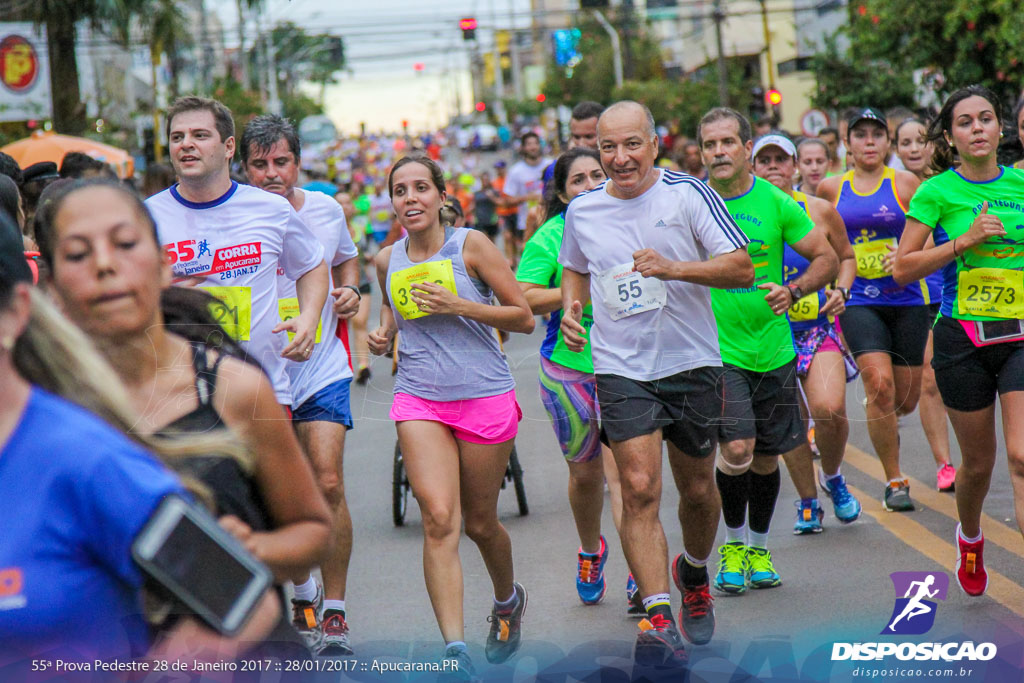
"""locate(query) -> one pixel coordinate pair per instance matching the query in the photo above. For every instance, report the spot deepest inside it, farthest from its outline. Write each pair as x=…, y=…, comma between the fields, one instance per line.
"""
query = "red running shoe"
x=970, y=567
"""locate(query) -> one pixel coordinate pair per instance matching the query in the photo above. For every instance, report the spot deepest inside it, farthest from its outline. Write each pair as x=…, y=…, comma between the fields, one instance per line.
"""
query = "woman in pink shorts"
x=455, y=403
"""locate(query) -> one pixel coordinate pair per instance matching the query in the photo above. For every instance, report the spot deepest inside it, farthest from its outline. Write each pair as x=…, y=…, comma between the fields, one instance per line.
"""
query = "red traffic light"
x=541, y=97
x=418, y=66
x=467, y=23
x=405, y=123
x=773, y=97
x=480, y=106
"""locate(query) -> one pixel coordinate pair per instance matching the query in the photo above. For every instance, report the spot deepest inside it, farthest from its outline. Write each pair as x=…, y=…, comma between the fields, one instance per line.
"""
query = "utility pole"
x=768, y=56
x=723, y=73
x=205, y=49
x=499, y=77
x=513, y=53
x=616, y=46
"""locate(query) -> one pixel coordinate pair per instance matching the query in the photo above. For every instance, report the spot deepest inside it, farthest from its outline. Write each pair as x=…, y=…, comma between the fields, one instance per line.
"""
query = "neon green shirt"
x=539, y=266
x=986, y=282
x=750, y=335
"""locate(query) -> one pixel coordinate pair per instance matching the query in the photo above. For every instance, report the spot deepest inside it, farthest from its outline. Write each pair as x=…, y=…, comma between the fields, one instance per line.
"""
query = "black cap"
x=867, y=114
x=13, y=267
x=43, y=170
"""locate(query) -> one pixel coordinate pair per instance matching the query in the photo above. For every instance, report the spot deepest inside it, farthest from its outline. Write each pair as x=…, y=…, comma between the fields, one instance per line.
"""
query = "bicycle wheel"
x=399, y=489
x=516, y=470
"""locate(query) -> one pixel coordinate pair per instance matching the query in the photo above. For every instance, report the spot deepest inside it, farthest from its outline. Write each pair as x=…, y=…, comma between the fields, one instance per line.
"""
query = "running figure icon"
x=916, y=601
x=916, y=607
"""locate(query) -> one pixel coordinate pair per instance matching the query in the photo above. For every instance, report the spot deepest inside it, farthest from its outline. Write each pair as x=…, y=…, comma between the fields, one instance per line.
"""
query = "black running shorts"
x=900, y=331
x=969, y=376
x=686, y=407
x=762, y=406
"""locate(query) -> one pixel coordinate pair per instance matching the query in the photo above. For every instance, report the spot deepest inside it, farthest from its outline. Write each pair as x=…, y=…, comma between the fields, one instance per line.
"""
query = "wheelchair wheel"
x=515, y=471
x=399, y=489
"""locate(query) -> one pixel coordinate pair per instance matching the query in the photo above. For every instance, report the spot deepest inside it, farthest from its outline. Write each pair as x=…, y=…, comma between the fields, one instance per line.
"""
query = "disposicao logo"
x=914, y=614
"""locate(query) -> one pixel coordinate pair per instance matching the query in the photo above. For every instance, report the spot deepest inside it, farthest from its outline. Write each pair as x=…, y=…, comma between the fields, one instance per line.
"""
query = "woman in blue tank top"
x=885, y=324
x=915, y=151
x=455, y=404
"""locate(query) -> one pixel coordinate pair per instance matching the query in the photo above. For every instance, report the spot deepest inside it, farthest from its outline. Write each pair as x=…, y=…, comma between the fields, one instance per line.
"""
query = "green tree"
x=303, y=56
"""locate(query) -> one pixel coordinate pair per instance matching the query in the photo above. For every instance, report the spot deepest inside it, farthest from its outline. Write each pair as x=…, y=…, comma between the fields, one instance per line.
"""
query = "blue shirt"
x=75, y=494
x=329, y=189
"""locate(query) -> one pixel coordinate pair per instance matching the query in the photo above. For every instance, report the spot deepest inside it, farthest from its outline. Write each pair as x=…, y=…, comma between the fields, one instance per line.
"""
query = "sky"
x=383, y=40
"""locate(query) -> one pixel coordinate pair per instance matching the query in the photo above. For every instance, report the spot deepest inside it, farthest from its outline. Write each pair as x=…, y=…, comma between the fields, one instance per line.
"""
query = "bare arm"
x=823, y=262
x=913, y=261
x=346, y=276
x=540, y=298
x=311, y=290
x=840, y=241
x=828, y=189
x=726, y=271
x=380, y=339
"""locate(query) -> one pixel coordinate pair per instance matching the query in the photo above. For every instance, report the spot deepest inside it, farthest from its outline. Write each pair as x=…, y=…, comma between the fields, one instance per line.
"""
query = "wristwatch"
x=354, y=289
x=845, y=291
x=795, y=292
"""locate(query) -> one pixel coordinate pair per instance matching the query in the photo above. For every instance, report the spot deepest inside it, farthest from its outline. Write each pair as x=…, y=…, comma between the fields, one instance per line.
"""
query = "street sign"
x=813, y=121
x=24, y=73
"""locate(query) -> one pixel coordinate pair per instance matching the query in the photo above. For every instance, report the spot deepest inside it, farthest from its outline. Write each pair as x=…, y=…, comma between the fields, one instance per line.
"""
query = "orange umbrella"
x=45, y=145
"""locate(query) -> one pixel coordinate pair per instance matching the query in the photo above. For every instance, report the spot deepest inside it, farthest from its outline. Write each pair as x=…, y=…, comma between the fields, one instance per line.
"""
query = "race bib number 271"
x=627, y=292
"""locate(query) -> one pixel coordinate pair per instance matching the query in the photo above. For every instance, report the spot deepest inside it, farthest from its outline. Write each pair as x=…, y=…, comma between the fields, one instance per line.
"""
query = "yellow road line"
x=914, y=534
x=995, y=531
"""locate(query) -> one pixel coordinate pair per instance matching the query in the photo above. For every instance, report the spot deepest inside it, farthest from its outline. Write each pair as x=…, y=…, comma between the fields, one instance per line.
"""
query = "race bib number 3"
x=233, y=310
x=627, y=292
x=288, y=309
x=402, y=281
x=991, y=293
x=804, y=309
x=871, y=257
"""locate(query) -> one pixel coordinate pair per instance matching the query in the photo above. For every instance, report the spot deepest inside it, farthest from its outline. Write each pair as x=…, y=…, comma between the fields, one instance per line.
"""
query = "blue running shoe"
x=634, y=605
x=845, y=506
x=733, y=568
x=590, y=575
x=808, y=517
x=762, y=571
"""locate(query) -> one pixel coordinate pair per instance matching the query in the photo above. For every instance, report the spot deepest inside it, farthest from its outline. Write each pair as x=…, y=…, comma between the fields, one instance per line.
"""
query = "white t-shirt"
x=525, y=179
x=683, y=220
x=238, y=242
x=329, y=362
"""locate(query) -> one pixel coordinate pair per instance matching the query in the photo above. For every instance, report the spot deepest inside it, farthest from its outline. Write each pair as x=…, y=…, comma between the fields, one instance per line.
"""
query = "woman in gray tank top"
x=454, y=405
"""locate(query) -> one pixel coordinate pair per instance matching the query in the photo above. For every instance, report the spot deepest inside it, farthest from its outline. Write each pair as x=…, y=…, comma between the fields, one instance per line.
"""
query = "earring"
x=7, y=343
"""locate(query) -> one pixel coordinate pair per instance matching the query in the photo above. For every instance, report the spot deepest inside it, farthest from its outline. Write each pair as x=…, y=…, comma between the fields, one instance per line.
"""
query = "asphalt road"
x=836, y=584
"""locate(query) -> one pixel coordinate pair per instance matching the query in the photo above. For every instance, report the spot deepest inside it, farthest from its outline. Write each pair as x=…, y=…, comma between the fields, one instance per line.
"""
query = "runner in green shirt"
x=567, y=383
x=976, y=215
x=762, y=417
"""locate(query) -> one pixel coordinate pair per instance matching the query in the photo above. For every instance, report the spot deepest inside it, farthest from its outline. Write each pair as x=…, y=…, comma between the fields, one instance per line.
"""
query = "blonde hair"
x=54, y=354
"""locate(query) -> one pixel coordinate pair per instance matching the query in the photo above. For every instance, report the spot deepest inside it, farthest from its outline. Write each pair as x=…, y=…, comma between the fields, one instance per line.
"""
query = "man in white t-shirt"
x=231, y=240
x=639, y=246
x=524, y=186
x=270, y=152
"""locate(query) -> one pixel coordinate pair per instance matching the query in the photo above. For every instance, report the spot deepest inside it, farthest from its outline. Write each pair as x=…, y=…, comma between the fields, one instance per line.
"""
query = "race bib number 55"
x=233, y=310
x=627, y=292
x=402, y=281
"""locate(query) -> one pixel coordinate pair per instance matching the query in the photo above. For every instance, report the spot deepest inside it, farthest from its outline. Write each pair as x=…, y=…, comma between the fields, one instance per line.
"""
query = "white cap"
x=780, y=141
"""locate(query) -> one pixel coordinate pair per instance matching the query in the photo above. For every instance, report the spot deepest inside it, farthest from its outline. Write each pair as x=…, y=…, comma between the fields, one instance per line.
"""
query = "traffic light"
x=541, y=97
x=773, y=97
x=480, y=106
x=468, y=26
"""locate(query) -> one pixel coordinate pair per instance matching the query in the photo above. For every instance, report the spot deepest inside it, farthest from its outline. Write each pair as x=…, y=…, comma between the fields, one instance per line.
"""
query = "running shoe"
x=697, y=616
x=456, y=665
x=634, y=604
x=506, y=629
x=335, y=639
x=808, y=517
x=762, y=571
x=659, y=644
x=897, y=497
x=590, y=584
x=844, y=505
x=733, y=568
x=970, y=567
x=306, y=618
x=363, y=375
x=946, y=478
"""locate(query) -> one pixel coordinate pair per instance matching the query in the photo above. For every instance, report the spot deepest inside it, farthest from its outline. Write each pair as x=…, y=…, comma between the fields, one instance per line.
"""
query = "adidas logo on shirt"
x=660, y=224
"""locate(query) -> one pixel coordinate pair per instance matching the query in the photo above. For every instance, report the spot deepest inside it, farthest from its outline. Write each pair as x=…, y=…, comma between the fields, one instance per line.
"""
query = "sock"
x=735, y=490
x=736, y=535
x=806, y=502
x=960, y=535
x=659, y=603
x=306, y=591
x=759, y=540
x=508, y=605
x=695, y=572
x=336, y=605
x=895, y=482
x=830, y=477
x=457, y=644
x=764, y=491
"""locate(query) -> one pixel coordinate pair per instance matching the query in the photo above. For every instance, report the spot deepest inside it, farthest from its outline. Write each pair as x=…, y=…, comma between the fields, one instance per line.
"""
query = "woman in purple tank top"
x=455, y=405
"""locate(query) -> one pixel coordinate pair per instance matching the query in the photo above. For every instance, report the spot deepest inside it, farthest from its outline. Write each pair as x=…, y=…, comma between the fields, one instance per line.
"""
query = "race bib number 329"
x=402, y=281
x=871, y=257
x=627, y=292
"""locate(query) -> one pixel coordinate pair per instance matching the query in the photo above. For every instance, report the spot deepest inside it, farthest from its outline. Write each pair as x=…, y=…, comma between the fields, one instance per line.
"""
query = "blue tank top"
x=873, y=221
x=804, y=314
x=445, y=357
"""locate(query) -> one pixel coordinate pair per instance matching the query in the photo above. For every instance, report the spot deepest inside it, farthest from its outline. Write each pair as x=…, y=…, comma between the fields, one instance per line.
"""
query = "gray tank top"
x=448, y=357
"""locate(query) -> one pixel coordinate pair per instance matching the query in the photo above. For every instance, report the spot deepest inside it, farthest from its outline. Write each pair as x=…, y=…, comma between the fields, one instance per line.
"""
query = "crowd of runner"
x=713, y=294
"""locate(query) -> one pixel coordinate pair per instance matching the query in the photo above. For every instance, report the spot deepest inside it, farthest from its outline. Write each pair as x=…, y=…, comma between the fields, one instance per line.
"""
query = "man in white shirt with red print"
x=231, y=239
x=640, y=246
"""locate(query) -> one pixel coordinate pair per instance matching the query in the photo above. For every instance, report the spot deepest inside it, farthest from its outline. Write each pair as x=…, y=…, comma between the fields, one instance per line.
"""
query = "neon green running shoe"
x=733, y=568
x=762, y=572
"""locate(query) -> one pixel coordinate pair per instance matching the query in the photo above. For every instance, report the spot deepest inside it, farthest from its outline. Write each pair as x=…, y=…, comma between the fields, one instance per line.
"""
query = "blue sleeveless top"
x=872, y=221
x=804, y=314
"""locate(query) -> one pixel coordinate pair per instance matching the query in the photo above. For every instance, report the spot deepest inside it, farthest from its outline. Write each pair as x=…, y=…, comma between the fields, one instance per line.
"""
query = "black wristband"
x=356, y=290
